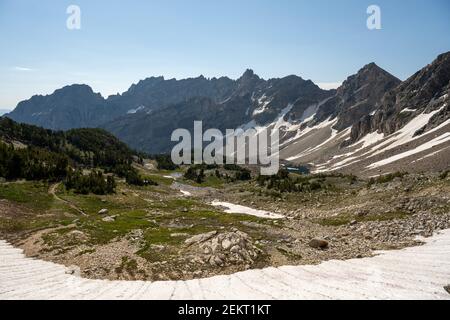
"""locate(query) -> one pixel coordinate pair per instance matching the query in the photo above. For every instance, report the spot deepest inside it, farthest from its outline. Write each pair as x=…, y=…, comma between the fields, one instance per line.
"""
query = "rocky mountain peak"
x=368, y=75
x=247, y=83
x=82, y=90
x=429, y=82
x=70, y=107
x=425, y=91
x=371, y=67
x=358, y=96
x=248, y=76
x=249, y=73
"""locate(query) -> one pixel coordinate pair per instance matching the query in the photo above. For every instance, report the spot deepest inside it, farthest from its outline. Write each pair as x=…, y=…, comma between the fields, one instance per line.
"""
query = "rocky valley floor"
x=174, y=232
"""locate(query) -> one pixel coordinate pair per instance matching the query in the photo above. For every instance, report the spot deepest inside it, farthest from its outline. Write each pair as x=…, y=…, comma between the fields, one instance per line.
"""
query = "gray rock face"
x=358, y=96
x=425, y=91
x=167, y=104
x=220, y=249
x=75, y=106
x=261, y=101
x=155, y=93
x=252, y=99
x=200, y=238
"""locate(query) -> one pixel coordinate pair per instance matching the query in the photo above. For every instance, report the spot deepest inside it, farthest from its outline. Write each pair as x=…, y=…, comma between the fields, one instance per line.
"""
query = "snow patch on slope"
x=329, y=123
x=133, y=111
x=235, y=208
x=263, y=103
x=423, y=147
x=406, y=134
x=430, y=155
x=379, y=144
x=407, y=110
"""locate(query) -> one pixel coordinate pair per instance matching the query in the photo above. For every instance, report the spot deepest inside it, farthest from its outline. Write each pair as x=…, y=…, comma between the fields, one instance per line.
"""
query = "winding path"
x=52, y=191
x=413, y=273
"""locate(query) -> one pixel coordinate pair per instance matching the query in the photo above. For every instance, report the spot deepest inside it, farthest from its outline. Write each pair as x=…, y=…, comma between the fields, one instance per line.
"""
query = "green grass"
x=33, y=195
x=101, y=232
x=157, y=219
x=159, y=179
x=36, y=210
x=116, y=203
x=53, y=238
x=213, y=182
x=210, y=181
x=134, y=213
x=33, y=223
x=161, y=236
x=191, y=223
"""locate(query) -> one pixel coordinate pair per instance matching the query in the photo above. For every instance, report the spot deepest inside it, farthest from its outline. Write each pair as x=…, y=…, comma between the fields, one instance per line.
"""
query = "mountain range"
x=373, y=123
x=4, y=111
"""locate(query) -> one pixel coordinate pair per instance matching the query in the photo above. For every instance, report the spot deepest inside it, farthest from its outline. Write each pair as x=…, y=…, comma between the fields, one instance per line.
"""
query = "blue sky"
x=121, y=42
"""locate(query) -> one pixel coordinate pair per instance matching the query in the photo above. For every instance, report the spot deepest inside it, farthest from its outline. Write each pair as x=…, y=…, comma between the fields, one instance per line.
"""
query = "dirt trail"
x=52, y=191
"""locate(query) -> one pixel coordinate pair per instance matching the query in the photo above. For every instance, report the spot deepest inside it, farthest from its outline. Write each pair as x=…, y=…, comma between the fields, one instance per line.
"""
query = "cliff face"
x=425, y=91
x=253, y=100
x=359, y=96
x=73, y=106
x=77, y=106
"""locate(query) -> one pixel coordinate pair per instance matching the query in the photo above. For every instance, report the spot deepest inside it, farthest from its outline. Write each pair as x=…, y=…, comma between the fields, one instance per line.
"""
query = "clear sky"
x=121, y=42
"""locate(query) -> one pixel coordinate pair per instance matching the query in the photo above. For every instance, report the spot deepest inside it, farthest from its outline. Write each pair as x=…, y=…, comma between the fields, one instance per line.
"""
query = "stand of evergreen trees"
x=164, y=162
x=195, y=174
x=283, y=182
x=95, y=182
x=240, y=173
x=84, y=147
x=51, y=155
x=31, y=163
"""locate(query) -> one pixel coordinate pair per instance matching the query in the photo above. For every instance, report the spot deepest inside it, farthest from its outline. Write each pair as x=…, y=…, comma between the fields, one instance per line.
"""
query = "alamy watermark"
x=73, y=22
x=253, y=147
x=374, y=19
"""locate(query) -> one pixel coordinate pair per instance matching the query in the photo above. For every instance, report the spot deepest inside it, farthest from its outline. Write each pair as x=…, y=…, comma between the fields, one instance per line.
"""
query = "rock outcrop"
x=224, y=249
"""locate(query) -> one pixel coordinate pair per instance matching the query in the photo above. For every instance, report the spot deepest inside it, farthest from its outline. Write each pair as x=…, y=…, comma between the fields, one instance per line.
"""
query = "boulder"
x=109, y=219
x=447, y=288
x=200, y=238
x=224, y=248
x=318, y=243
x=103, y=211
x=226, y=244
x=235, y=249
x=77, y=234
